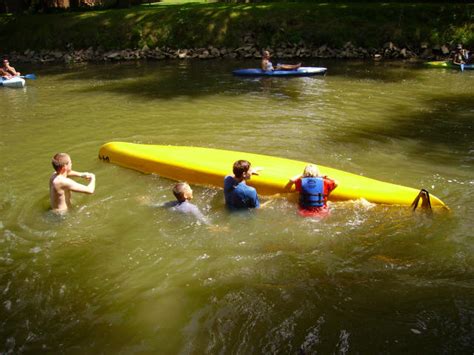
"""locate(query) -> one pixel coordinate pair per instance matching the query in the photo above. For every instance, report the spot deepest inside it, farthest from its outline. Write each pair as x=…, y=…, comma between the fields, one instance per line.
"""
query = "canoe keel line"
x=209, y=166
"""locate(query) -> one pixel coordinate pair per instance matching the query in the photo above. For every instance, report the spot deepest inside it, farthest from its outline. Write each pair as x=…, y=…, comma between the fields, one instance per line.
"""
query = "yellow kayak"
x=448, y=64
x=207, y=166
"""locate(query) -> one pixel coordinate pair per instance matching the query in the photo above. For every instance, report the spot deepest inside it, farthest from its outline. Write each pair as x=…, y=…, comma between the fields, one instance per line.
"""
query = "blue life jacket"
x=312, y=192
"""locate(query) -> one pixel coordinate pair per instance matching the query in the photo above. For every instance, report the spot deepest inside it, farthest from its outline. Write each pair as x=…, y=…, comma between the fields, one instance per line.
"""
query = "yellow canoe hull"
x=207, y=166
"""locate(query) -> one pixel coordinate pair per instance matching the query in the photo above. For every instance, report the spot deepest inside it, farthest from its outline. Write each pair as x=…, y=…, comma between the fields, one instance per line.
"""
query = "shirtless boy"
x=60, y=184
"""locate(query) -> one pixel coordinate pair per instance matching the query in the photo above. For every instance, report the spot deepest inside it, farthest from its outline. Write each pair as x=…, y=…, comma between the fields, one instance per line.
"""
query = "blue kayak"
x=301, y=71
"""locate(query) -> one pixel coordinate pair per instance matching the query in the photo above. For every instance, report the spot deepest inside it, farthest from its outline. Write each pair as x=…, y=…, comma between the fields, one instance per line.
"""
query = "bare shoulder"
x=60, y=181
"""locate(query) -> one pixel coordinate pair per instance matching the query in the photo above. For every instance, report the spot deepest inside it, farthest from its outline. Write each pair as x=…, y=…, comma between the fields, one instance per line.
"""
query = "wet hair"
x=311, y=171
x=60, y=160
x=180, y=189
x=240, y=168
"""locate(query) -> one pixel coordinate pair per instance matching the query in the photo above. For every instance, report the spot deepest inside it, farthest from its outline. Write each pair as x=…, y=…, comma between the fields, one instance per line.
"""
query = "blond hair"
x=311, y=171
x=59, y=160
x=180, y=190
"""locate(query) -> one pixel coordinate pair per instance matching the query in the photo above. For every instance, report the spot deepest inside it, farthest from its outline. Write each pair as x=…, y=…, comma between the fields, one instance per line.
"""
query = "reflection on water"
x=119, y=275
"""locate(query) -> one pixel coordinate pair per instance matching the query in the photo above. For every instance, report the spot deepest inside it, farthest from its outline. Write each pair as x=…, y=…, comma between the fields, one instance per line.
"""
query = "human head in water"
x=182, y=191
x=311, y=171
x=241, y=169
x=61, y=161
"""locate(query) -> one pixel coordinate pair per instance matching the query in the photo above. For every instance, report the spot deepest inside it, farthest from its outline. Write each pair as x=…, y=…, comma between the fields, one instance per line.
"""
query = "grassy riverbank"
x=196, y=25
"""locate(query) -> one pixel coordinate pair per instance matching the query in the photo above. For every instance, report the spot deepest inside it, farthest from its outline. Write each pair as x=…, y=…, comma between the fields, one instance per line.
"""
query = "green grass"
x=192, y=25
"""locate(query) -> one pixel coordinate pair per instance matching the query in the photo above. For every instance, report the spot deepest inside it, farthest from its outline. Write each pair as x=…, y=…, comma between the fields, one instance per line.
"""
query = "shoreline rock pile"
x=285, y=51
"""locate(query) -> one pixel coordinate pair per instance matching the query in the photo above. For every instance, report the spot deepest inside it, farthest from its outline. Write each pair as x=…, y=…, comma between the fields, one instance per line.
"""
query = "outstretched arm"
x=13, y=71
x=335, y=182
x=74, y=173
x=76, y=187
x=295, y=178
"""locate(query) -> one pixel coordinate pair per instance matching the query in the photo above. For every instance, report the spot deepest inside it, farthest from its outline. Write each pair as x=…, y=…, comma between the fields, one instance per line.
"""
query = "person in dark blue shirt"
x=236, y=192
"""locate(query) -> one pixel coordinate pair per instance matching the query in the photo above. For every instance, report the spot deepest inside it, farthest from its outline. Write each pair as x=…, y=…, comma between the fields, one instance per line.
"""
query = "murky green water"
x=119, y=276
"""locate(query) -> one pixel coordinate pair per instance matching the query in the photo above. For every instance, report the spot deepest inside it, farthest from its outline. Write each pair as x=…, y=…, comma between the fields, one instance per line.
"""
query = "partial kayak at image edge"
x=448, y=64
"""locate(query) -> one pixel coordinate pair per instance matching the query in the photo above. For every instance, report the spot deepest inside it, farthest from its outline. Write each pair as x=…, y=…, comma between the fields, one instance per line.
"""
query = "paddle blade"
x=462, y=67
x=29, y=76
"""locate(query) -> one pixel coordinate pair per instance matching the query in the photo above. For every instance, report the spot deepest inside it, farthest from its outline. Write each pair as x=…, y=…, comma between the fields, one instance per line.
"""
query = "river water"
x=118, y=275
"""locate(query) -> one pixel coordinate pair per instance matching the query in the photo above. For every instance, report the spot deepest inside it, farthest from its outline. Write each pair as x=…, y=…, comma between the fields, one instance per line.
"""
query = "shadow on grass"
x=185, y=26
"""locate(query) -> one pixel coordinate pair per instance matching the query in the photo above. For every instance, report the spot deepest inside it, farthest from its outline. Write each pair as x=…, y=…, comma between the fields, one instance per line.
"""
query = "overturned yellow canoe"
x=207, y=166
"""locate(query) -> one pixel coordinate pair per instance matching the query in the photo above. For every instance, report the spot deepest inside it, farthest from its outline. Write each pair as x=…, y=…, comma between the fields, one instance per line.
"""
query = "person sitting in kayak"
x=268, y=66
x=236, y=192
x=4, y=75
x=461, y=55
x=314, y=191
x=9, y=69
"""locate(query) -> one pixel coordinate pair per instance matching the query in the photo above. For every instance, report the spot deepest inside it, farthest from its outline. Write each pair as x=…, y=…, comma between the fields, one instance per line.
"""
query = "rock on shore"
x=284, y=51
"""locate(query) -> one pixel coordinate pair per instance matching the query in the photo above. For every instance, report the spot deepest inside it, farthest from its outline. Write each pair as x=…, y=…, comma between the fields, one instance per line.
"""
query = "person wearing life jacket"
x=314, y=191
